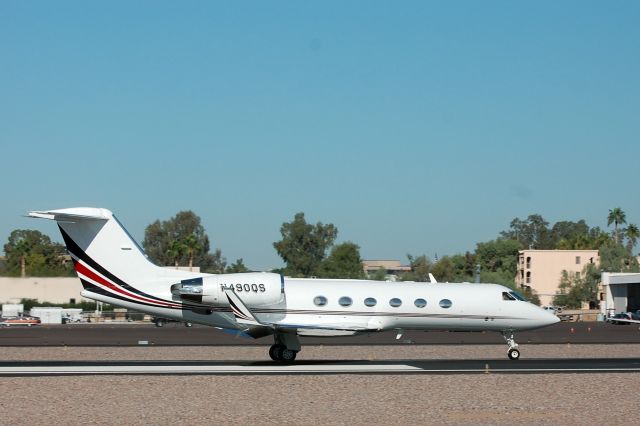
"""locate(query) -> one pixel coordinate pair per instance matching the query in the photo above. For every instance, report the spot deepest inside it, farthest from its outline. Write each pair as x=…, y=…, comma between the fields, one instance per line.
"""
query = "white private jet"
x=114, y=269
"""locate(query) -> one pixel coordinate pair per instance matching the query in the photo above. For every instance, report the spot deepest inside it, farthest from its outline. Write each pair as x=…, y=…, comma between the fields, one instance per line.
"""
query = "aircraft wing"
x=630, y=321
x=244, y=316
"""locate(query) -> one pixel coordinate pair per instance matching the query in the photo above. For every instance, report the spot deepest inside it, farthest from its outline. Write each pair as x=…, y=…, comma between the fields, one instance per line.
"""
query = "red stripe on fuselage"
x=81, y=269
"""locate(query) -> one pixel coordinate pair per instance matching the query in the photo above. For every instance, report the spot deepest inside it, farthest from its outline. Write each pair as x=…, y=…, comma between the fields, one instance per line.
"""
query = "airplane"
x=114, y=269
x=625, y=318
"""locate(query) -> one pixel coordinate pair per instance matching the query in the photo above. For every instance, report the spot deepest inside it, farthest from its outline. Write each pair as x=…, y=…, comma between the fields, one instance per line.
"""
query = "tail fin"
x=95, y=238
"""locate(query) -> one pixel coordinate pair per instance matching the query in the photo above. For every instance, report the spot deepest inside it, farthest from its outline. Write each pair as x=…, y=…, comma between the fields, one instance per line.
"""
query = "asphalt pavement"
x=176, y=334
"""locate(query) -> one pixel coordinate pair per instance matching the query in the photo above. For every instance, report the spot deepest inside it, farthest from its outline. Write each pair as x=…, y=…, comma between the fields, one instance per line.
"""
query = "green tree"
x=632, y=233
x=176, y=251
x=31, y=253
x=568, y=295
x=576, y=290
x=464, y=266
x=499, y=255
x=615, y=258
x=191, y=245
x=420, y=268
x=303, y=246
x=344, y=261
x=379, y=275
x=530, y=233
x=617, y=217
x=161, y=239
x=237, y=267
x=443, y=270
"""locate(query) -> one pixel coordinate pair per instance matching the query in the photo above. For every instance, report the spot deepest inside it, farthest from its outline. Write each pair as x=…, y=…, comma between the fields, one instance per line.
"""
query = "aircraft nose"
x=548, y=318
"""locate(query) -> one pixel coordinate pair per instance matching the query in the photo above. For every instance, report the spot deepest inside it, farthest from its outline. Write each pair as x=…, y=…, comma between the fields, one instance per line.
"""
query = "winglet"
x=432, y=279
x=240, y=311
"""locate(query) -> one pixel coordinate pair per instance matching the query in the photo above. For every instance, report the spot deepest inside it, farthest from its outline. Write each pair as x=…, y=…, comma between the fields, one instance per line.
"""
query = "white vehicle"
x=113, y=269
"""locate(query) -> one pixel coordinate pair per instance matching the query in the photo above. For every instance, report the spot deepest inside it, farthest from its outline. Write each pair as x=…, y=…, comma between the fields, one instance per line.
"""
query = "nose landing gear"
x=513, y=353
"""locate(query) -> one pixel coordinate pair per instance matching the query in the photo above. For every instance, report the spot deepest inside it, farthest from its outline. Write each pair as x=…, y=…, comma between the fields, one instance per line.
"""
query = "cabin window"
x=517, y=296
x=507, y=296
x=370, y=302
x=420, y=303
x=395, y=302
x=345, y=301
x=319, y=300
x=445, y=303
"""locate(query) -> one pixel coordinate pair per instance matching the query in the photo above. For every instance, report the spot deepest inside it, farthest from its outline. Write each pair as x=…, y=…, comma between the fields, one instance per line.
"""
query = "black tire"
x=275, y=352
x=514, y=354
x=287, y=355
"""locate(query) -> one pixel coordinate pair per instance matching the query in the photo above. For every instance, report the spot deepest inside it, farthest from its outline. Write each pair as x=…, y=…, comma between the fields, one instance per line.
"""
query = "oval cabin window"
x=370, y=302
x=320, y=301
x=345, y=301
x=395, y=302
x=445, y=303
x=420, y=303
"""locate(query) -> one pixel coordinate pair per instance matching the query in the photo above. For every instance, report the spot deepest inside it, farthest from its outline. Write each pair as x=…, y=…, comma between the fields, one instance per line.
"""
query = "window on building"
x=577, y=260
x=345, y=301
x=529, y=262
x=577, y=275
x=370, y=302
x=528, y=277
x=72, y=301
x=591, y=260
x=319, y=300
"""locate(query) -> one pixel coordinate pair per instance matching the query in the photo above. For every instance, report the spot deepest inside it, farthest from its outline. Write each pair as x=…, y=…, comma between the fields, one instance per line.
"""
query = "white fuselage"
x=469, y=307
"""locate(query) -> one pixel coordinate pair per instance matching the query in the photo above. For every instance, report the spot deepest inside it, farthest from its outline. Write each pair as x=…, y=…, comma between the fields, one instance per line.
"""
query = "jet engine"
x=254, y=288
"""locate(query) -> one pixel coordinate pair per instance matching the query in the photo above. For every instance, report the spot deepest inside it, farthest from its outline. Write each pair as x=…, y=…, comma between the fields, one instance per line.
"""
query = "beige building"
x=393, y=268
x=541, y=270
x=52, y=290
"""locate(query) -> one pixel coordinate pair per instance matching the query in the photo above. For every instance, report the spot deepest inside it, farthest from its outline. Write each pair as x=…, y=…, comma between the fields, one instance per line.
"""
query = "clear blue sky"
x=414, y=127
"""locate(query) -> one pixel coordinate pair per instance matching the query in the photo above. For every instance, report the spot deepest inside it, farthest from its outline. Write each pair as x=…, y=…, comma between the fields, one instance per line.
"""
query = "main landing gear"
x=285, y=348
x=282, y=354
x=513, y=352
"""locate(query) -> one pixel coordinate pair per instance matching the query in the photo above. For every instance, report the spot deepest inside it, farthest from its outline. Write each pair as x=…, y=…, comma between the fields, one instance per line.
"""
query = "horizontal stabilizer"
x=73, y=214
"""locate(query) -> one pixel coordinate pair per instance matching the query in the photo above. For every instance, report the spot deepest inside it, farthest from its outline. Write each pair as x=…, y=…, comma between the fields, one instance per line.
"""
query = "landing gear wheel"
x=275, y=352
x=287, y=355
x=514, y=354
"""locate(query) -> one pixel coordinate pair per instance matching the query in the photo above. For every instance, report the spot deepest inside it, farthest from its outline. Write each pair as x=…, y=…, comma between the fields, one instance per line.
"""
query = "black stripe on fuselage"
x=76, y=251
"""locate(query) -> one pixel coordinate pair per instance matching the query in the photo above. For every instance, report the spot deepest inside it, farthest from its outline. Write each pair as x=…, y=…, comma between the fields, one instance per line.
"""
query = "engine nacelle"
x=254, y=288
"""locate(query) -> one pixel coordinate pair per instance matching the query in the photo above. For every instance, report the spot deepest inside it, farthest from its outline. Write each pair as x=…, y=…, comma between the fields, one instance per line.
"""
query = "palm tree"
x=23, y=247
x=191, y=245
x=175, y=251
x=617, y=217
x=632, y=233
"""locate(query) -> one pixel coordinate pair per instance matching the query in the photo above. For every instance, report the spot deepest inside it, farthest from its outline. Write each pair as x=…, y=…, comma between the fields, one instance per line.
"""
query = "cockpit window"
x=507, y=296
x=517, y=295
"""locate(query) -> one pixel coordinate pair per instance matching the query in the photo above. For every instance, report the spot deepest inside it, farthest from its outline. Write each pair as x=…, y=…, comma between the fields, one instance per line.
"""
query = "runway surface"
x=316, y=367
x=176, y=334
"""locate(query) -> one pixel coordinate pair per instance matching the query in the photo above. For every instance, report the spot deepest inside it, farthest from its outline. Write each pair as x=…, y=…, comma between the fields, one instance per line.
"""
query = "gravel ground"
x=325, y=399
